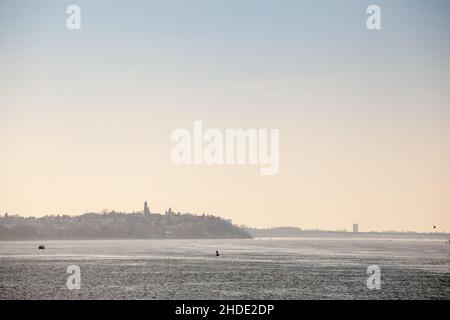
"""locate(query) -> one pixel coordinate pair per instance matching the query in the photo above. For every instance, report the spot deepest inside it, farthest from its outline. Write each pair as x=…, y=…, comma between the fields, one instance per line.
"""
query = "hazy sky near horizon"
x=364, y=116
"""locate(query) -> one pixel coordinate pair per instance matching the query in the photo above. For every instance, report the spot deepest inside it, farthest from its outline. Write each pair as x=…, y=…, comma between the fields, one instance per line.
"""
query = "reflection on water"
x=251, y=269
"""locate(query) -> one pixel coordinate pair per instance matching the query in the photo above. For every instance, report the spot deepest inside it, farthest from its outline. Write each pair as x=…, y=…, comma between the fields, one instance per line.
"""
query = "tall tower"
x=146, y=209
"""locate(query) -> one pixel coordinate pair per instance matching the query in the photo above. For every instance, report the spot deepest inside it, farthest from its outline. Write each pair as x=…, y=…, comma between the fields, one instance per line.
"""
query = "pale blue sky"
x=363, y=114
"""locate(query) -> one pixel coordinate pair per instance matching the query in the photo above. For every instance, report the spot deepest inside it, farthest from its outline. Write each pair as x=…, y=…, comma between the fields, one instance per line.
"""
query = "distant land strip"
x=171, y=225
x=119, y=225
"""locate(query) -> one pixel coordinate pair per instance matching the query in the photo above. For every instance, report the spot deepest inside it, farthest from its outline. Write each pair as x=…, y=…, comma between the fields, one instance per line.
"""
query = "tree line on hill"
x=119, y=225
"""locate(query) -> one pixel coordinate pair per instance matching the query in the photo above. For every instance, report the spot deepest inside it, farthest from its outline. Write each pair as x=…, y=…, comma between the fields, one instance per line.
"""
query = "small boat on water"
x=217, y=254
x=41, y=246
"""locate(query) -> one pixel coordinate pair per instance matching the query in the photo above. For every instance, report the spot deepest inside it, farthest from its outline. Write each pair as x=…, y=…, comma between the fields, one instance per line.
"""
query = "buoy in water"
x=217, y=253
x=41, y=246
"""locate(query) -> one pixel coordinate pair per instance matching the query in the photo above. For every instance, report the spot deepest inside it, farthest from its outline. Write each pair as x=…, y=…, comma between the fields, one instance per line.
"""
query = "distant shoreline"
x=289, y=232
x=119, y=225
x=171, y=225
x=405, y=237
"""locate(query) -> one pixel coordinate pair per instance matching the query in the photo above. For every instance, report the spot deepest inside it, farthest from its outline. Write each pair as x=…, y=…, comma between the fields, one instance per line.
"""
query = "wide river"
x=245, y=269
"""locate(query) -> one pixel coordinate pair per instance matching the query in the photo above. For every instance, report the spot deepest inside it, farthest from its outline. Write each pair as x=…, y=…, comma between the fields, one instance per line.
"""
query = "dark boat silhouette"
x=217, y=254
x=41, y=246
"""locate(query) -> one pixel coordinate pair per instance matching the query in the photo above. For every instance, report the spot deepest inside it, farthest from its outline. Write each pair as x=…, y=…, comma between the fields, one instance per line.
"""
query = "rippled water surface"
x=246, y=269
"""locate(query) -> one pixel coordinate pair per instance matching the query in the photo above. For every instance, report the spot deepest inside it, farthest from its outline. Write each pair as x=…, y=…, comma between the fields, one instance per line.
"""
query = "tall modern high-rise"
x=355, y=227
